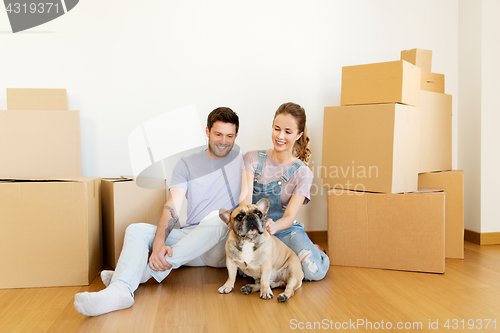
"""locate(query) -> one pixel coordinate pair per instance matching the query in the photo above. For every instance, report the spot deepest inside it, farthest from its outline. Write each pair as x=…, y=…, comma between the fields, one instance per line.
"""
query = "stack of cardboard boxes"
x=386, y=158
x=50, y=231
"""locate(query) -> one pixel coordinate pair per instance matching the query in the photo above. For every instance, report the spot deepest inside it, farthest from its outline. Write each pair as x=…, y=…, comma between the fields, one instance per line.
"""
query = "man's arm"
x=168, y=220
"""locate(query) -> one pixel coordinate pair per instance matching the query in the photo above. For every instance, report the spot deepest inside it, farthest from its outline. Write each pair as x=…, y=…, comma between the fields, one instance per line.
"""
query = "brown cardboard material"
x=387, y=231
x=432, y=82
x=418, y=57
x=37, y=99
x=39, y=143
x=124, y=203
x=453, y=183
x=53, y=227
x=385, y=82
x=371, y=147
x=435, y=132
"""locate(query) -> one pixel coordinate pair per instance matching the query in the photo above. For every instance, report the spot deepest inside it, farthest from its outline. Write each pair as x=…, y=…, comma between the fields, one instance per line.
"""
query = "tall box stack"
x=435, y=108
x=49, y=212
x=372, y=157
x=371, y=141
x=435, y=167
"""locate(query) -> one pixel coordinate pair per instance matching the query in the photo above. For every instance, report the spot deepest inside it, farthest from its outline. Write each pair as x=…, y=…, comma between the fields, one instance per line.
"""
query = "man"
x=210, y=180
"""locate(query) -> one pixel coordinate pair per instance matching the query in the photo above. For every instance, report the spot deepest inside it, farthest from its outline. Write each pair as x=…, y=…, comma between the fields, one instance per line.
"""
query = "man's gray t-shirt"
x=209, y=184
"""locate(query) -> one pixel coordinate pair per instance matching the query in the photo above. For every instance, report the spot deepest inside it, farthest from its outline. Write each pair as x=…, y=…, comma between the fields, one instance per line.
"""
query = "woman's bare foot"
x=320, y=248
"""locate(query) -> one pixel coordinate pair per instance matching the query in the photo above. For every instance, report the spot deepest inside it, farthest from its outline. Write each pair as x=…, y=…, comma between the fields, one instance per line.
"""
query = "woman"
x=281, y=175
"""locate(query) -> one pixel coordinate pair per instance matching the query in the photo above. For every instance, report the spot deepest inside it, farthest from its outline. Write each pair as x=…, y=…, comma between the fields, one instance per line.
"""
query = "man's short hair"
x=223, y=114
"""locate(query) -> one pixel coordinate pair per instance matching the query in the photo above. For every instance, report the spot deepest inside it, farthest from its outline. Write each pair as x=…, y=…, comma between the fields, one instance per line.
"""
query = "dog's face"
x=247, y=221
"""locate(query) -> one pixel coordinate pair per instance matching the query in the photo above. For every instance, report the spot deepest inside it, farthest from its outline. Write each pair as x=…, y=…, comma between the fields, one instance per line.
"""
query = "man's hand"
x=157, y=260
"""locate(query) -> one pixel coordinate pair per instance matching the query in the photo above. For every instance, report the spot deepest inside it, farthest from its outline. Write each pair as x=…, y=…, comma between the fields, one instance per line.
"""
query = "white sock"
x=115, y=297
x=106, y=277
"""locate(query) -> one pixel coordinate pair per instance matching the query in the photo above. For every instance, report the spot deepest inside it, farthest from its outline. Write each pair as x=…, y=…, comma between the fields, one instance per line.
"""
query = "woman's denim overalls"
x=317, y=263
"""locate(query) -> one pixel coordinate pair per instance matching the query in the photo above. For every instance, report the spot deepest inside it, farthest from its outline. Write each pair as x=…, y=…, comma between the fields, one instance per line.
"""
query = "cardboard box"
x=50, y=233
x=432, y=82
x=418, y=57
x=371, y=147
x=435, y=132
x=453, y=183
x=124, y=203
x=37, y=99
x=385, y=82
x=388, y=231
x=39, y=144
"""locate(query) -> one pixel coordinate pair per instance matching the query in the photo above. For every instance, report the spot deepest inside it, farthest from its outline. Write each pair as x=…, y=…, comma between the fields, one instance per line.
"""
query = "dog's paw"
x=282, y=298
x=225, y=290
x=266, y=294
x=247, y=289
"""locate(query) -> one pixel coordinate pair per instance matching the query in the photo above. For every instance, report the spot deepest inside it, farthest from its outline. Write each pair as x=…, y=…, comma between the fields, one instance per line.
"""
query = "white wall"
x=490, y=117
x=479, y=138
x=469, y=127
x=124, y=62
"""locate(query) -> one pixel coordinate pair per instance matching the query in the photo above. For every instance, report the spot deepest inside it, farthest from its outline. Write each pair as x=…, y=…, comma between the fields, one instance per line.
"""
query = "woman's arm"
x=246, y=188
x=291, y=211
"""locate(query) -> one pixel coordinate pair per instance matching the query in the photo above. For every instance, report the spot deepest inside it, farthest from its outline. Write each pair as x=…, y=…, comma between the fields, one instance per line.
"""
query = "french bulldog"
x=259, y=254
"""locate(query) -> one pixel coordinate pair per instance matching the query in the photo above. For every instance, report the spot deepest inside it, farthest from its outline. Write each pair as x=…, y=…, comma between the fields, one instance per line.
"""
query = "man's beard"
x=220, y=153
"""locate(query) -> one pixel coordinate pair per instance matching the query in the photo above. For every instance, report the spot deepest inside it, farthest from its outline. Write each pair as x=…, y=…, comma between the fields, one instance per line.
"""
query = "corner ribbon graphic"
x=26, y=14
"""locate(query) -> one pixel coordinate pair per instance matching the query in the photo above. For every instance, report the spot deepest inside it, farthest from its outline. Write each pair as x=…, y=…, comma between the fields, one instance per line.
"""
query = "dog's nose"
x=254, y=222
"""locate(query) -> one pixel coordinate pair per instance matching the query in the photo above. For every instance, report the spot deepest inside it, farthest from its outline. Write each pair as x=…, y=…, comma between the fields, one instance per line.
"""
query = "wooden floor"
x=187, y=301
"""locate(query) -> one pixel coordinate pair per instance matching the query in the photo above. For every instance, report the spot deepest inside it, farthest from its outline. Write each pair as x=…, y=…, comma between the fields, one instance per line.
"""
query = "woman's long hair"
x=300, y=148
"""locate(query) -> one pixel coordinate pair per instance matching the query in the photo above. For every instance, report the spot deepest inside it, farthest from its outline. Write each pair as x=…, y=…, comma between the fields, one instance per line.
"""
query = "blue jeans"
x=316, y=263
x=200, y=245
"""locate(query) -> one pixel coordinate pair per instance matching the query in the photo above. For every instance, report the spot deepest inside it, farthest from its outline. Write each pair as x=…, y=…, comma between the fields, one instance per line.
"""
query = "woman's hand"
x=271, y=226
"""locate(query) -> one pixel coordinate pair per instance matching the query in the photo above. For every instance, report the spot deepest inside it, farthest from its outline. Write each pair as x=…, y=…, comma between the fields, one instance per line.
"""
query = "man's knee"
x=213, y=220
x=139, y=229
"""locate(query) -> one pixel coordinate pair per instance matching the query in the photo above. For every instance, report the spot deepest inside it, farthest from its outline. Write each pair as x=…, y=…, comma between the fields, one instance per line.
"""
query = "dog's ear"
x=263, y=205
x=225, y=215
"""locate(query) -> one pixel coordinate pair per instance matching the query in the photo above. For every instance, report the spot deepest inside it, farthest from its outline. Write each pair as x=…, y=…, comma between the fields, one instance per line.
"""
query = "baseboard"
x=485, y=238
x=472, y=236
x=318, y=236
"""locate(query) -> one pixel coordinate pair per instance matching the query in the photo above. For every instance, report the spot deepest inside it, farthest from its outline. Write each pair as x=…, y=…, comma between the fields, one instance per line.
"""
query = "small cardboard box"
x=124, y=203
x=371, y=147
x=432, y=82
x=50, y=234
x=418, y=57
x=435, y=132
x=385, y=82
x=388, y=231
x=39, y=143
x=453, y=183
x=37, y=99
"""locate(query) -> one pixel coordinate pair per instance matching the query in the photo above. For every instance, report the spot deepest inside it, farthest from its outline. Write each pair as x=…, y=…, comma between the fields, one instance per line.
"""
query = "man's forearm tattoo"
x=171, y=223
